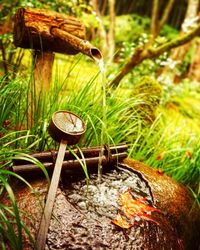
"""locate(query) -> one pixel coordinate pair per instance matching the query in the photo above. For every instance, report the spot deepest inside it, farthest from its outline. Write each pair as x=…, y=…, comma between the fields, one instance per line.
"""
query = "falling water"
x=104, y=108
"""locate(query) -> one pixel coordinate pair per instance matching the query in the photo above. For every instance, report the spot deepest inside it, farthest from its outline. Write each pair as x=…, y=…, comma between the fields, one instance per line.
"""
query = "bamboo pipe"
x=48, y=156
x=78, y=44
x=70, y=164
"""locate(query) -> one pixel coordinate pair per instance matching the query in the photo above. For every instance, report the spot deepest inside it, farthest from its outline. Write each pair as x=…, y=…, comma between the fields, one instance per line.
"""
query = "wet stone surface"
x=82, y=216
x=101, y=196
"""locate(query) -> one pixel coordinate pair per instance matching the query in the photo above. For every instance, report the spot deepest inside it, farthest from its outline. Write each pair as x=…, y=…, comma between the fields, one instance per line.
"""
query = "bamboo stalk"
x=70, y=164
x=48, y=156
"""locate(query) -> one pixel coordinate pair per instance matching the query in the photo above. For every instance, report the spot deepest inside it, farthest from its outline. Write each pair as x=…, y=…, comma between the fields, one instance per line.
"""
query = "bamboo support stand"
x=111, y=155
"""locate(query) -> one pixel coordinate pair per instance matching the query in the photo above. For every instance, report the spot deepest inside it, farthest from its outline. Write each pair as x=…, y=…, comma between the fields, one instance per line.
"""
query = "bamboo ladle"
x=66, y=128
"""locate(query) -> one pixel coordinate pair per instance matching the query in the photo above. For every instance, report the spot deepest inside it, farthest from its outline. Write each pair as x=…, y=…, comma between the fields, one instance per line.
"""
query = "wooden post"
x=43, y=70
x=40, y=84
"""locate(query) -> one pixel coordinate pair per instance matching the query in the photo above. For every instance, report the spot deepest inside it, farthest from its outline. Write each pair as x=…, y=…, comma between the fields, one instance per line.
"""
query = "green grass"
x=178, y=154
x=172, y=142
x=12, y=228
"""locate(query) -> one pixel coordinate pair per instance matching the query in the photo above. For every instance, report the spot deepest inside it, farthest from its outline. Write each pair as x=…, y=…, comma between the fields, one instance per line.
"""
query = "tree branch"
x=111, y=33
x=141, y=54
x=165, y=14
x=154, y=18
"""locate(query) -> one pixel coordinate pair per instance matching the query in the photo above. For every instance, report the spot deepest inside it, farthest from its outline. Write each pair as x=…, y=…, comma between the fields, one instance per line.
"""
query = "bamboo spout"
x=51, y=31
x=77, y=43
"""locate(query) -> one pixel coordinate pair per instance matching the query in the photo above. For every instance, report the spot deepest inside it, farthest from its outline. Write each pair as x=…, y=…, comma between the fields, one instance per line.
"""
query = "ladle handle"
x=46, y=216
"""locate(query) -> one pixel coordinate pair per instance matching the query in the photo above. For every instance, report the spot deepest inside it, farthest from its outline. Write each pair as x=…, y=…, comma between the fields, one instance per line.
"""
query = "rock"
x=175, y=200
x=83, y=221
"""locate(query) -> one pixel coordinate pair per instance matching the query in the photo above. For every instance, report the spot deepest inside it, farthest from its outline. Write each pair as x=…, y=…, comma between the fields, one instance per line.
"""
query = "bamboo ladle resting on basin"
x=66, y=128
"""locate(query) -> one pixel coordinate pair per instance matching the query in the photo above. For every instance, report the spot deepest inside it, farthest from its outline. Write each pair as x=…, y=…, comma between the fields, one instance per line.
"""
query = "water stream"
x=104, y=111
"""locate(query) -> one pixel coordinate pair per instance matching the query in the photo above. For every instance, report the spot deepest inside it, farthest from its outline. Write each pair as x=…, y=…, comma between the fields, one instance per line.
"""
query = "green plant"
x=126, y=24
x=12, y=227
x=10, y=95
x=169, y=32
x=150, y=91
x=176, y=153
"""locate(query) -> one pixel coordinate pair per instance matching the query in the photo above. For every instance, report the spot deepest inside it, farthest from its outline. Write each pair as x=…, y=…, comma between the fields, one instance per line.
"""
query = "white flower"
x=189, y=24
x=170, y=63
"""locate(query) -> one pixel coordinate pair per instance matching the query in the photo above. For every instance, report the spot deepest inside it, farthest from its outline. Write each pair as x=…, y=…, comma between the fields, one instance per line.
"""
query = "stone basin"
x=83, y=214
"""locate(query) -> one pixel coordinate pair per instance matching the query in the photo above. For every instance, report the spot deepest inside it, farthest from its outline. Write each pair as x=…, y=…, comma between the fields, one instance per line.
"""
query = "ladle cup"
x=66, y=128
